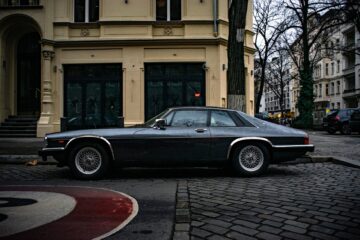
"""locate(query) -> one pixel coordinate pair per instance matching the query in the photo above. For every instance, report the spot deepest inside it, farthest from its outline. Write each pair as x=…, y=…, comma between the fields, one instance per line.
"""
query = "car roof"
x=201, y=108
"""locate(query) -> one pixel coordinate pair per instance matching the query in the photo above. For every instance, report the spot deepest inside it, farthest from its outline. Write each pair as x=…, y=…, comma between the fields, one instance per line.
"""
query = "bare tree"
x=236, y=64
x=309, y=23
x=278, y=76
x=270, y=23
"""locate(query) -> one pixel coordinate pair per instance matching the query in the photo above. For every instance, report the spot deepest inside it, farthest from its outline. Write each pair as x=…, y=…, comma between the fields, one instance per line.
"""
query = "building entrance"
x=29, y=75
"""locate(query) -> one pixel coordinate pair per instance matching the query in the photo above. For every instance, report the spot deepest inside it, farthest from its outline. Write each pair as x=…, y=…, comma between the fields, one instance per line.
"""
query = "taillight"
x=337, y=118
x=306, y=140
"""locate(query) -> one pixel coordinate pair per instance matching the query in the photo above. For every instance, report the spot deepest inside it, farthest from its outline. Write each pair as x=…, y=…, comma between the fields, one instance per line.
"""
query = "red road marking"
x=97, y=214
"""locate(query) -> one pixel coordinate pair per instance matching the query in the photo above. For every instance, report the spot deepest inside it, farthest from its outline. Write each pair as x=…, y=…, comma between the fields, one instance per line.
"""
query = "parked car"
x=354, y=122
x=182, y=136
x=338, y=120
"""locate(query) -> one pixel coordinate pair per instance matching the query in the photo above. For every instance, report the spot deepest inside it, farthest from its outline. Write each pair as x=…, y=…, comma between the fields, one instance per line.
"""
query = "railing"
x=19, y=3
x=351, y=90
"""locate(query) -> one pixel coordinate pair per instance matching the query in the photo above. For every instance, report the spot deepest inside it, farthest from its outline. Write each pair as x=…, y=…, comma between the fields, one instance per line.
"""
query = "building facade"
x=91, y=62
x=336, y=74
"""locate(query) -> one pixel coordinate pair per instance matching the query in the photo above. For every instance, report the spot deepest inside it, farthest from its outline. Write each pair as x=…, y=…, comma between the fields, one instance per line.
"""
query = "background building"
x=100, y=60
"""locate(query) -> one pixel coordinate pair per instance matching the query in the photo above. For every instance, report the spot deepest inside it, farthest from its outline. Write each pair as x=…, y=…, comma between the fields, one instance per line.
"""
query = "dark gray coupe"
x=182, y=136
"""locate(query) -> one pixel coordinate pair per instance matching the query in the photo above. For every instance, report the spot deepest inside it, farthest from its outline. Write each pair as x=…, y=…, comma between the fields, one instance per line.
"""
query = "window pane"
x=112, y=103
x=161, y=10
x=175, y=8
x=221, y=119
x=191, y=118
x=79, y=10
x=93, y=10
x=73, y=105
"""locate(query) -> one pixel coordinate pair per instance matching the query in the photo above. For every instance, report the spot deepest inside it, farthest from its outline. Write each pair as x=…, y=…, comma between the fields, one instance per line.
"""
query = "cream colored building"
x=92, y=61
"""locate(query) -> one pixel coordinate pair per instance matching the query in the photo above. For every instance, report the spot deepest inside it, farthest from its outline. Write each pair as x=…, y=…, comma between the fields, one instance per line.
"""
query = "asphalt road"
x=302, y=201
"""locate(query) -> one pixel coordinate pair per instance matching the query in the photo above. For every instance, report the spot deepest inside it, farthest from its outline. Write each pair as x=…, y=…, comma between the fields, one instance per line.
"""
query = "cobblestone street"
x=303, y=201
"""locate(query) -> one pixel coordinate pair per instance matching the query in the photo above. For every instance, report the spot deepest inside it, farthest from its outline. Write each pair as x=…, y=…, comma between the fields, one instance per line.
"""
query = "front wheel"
x=251, y=159
x=89, y=161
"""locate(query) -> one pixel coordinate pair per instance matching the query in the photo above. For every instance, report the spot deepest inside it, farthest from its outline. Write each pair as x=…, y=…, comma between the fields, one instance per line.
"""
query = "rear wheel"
x=89, y=161
x=331, y=130
x=345, y=129
x=251, y=159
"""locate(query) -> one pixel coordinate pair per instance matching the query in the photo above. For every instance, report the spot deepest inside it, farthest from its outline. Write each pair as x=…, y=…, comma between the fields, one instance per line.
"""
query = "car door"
x=184, y=139
x=223, y=129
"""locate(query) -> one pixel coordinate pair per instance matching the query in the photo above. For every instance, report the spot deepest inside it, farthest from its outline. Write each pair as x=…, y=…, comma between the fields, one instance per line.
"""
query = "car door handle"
x=200, y=130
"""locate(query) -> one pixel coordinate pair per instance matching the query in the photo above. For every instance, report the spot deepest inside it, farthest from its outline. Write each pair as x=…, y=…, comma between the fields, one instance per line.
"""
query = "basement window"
x=86, y=10
x=168, y=10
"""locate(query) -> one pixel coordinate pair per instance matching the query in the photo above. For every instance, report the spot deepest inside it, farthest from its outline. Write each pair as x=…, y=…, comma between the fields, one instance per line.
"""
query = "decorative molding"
x=48, y=55
x=168, y=31
x=147, y=42
x=85, y=32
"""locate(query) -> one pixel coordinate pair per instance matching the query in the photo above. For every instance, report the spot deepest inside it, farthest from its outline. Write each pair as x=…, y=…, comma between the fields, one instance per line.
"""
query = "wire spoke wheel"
x=251, y=158
x=88, y=160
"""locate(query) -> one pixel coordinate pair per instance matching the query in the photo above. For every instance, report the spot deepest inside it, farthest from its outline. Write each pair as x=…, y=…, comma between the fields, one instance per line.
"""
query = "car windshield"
x=150, y=122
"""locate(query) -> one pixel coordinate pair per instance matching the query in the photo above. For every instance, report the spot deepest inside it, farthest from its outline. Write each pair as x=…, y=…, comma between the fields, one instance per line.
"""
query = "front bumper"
x=45, y=152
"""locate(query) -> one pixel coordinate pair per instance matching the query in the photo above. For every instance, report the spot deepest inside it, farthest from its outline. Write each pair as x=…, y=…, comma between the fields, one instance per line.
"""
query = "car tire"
x=251, y=159
x=331, y=130
x=345, y=129
x=88, y=161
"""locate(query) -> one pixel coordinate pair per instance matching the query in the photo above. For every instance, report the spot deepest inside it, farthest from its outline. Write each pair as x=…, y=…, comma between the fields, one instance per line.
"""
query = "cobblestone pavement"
x=303, y=201
x=336, y=145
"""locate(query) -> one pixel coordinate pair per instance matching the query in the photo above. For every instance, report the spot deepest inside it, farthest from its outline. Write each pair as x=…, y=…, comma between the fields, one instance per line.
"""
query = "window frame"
x=168, y=11
x=87, y=12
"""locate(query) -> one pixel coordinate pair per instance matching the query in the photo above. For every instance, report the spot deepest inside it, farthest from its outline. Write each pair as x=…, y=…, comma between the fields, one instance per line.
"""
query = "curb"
x=337, y=160
x=182, y=214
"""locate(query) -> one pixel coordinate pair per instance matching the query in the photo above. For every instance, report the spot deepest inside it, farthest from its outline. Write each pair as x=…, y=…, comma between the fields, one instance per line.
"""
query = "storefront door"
x=28, y=75
x=93, y=95
x=173, y=84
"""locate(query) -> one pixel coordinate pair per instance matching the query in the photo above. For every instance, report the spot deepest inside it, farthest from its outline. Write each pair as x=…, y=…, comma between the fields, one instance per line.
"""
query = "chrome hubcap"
x=251, y=158
x=88, y=160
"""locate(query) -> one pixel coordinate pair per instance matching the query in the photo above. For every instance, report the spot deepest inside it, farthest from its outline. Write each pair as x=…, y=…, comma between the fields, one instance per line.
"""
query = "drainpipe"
x=215, y=16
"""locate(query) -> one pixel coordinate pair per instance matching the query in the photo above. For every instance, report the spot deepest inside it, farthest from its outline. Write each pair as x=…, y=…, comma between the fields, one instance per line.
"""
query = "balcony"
x=19, y=4
x=349, y=70
x=351, y=92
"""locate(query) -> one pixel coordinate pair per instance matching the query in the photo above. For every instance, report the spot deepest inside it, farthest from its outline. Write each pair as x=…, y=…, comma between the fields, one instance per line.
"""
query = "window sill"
x=21, y=7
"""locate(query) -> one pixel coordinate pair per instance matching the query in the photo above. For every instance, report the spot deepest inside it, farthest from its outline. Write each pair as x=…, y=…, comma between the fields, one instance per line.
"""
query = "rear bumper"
x=282, y=153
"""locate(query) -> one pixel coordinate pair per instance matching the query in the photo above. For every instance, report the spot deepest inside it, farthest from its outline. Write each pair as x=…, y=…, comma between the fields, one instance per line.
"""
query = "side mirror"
x=160, y=123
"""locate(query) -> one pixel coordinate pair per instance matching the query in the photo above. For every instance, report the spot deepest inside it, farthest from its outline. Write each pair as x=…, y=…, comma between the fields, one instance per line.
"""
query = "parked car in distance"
x=354, y=122
x=181, y=136
x=338, y=120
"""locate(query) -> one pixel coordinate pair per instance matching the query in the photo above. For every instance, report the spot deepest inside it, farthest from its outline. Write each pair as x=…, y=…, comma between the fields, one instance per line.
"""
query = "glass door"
x=93, y=95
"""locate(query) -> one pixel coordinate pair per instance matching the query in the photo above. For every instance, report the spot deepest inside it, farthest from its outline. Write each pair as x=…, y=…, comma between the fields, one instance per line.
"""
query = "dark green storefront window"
x=93, y=95
x=173, y=84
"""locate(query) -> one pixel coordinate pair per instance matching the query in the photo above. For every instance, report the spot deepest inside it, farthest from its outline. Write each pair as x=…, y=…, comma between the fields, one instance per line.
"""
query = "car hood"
x=107, y=133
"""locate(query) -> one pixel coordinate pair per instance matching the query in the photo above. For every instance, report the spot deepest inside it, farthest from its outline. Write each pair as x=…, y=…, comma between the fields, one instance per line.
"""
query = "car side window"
x=189, y=118
x=355, y=116
x=221, y=119
x=168, y=118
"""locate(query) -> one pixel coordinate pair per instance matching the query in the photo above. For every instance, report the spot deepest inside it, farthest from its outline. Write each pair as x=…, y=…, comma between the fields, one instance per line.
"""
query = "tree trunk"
x=305, y=102
x=236, y=64
x=262, y=83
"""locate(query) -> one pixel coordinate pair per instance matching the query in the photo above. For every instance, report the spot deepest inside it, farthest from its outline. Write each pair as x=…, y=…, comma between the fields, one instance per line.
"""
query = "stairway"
x=18, y=126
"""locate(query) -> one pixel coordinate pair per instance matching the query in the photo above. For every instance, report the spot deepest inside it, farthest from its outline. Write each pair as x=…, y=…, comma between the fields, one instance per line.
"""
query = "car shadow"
x=181, y=173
